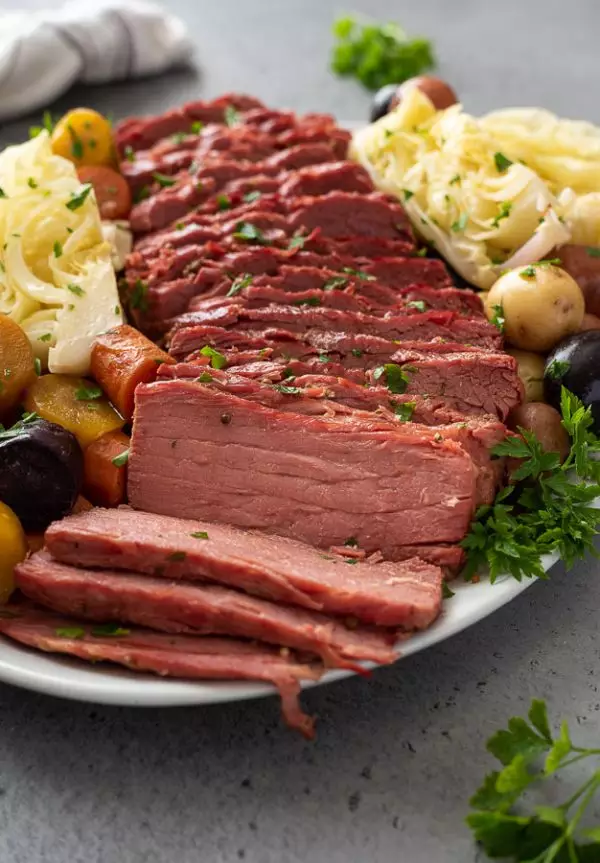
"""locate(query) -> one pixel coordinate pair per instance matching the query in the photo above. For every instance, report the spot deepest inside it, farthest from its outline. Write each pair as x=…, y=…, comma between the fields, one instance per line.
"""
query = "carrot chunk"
x=105, y=469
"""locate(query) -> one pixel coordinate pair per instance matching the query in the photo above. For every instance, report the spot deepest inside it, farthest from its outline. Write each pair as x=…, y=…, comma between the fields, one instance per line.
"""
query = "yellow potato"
x=531, y=371
x=540, y=305
x=76, y=404
x=13, y=549
x=84, y=137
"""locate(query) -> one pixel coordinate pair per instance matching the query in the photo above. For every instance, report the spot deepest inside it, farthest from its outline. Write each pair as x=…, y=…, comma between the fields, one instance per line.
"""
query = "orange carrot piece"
x=104, y=482
x=122, y=358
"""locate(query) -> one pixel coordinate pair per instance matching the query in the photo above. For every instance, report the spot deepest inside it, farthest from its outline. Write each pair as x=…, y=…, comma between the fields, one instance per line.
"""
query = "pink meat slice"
x=196, y=609
x=404, y=594
x=183, y=656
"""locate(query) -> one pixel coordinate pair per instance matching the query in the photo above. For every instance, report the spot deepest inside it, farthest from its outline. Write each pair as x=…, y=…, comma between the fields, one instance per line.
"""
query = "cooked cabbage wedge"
x=56, y=277
x=490, y=193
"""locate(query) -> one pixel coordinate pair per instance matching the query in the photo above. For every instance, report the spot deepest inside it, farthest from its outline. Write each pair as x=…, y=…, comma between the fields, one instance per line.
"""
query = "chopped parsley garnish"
x=129, y=153
x=178, y=137
x=196, y=127
x=407, y=194
x=351, y=542
x=251, y=197
x=529, y=271
x=179, y=226
x=404, y=411
x=176, y=556
x=69, y=632
x=223, y=202
x=109, y=630
x=356, y=352
x=460, y=224
x=360, y=274
x=32, y=183
x=46, y=337
x=592, y=252
x=121, y=459
x=239, y=284
x=205, y=378
x=419, y=305
x=557, y=369
x=335, y=282
x=47, y=124
x=117, y=310
x=75, y=289
x=504, y=211
x=547, y=507
x=447, y=593
x=199, y=534
x=505, y=821
x=217, y=360
x=298, y=241
x=86, y=393
x=76, y=143
x=422, y=253
x=139, y=296
x=231, y=116
x=323, y=358
x=37, y=365
x=455, y=180
x=378, y=54
x=163, y=179
x=249, y=233
x=77, y=199
x=350, y=560
x=141, y=194
x=396, y=377
x=57, y=249
x=310, y=301
x=498, y=318
x=287, y=390
x=502, y=162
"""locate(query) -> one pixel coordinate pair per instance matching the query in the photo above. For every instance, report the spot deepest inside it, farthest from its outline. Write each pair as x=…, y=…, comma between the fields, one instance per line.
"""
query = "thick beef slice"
x=389, y=594
x=182, y=656
x=196, y=609
x=321, y=179
x=316, y=479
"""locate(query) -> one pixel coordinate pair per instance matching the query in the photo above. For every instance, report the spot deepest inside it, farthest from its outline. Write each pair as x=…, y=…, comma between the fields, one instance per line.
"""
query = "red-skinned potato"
x=545, y=423
x=582, y=263
x=437, y=90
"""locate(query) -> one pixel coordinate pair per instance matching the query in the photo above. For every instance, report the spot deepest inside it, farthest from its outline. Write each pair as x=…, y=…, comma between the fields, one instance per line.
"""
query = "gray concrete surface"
x=397, y=756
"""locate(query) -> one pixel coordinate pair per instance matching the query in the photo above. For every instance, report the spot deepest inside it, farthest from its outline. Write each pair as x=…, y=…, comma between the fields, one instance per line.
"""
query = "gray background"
x=397, y=756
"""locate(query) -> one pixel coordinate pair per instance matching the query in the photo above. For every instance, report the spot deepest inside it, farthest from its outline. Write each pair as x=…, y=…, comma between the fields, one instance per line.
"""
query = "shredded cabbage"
x=56, y=277
x=492, y=192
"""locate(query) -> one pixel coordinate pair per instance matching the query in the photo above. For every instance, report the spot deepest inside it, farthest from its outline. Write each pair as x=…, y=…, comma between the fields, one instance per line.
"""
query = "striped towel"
x=43, y=53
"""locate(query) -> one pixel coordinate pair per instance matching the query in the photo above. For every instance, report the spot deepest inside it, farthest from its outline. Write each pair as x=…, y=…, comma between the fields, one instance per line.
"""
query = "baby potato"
x=76, y=404
x=17, y=369
x=84, y=137
x=545, y=422
x=13, y=545
x=540, y=304
x=531, y=371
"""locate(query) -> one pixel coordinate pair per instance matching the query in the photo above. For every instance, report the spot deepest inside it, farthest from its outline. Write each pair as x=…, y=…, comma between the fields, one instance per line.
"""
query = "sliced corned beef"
x=390, y=594
x=196, y=609
x=183, y=656
x=199, y=453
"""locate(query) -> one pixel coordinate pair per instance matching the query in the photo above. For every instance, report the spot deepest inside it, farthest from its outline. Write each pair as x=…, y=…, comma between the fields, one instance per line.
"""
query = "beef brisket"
x=403, y=595
x=182, y=656
x=196, y=609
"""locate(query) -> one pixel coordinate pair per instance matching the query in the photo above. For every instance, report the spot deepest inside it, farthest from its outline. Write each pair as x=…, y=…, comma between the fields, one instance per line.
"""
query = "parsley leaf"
x=360, y=274
x=251, y=197
x=139, y=298
x=69, y=632
x=403, y=411
x=199, y=534
x=163, y=179
x=217, y=360
x=557, y=369
x=504, y=211
x=396, y=377
x=77, y=199
x=239, y=284
x=121, y=459
x=109, y=630
x=529, y=754
x=593, y=252
x=249, y=233
x=86, y=393
x=502, y=162
x=498, y=319
x=231, y=116
x=460, y=224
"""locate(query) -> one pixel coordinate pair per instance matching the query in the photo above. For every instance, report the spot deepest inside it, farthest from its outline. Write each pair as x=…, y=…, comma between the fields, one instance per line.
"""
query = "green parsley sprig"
x=378, y=54
x=546, y=508
x=530, y=755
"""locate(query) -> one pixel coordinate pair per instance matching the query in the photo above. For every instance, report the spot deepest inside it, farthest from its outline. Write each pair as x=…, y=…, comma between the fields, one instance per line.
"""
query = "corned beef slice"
x=390, y=594
x=196, y=609
x=183, y=656
x=318, y=479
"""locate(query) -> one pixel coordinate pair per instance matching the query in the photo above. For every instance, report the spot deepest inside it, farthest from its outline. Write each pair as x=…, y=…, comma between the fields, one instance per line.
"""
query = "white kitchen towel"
x=44, y=52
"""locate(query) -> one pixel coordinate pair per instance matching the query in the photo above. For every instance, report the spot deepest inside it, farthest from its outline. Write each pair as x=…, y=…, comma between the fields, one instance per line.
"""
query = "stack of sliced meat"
x=330, y=382
x=181, y=583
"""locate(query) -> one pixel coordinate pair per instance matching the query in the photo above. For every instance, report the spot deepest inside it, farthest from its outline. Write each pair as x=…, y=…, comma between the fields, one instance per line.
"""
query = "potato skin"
x=437, y=91
x=582, y=263
x=545, y=422
x=540, y=306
